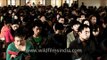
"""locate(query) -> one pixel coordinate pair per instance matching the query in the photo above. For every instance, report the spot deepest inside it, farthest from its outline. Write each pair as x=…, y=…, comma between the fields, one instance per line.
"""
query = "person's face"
x=104, y=25
x=85, y=34
x=19, y=40
x=15, y=26
x=82, y=16
x=87, y=23
x=15, y=17
x=43, y=18
x=96, y=33
x=58, y=16
x=59, y=32
x=75, y=27
x=13, y=14
x=10, y=11
x=9, y=25
x=93, y=20
x=21, y=18
x=61, y=20
x=37, y=30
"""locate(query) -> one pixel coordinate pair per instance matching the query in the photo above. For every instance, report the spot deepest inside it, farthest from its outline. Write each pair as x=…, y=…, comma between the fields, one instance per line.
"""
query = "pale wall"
x=3, y=2
x=96, y=3
x=48, y=2
x=17, y=2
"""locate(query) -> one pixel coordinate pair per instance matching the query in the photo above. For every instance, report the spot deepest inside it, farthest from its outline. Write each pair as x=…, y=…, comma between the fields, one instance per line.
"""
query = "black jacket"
x=78, y=50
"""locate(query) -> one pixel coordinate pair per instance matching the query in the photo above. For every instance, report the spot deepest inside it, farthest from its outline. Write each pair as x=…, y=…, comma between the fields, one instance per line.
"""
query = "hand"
x=27, y=57
x=12, y=56
x=20, y=52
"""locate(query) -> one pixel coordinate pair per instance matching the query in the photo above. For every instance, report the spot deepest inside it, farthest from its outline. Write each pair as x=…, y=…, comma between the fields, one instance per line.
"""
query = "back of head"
x=37, y=23
x=82, y=26
x=74, y=23
x=7, y=21
x=20, y=32
x=59, y=26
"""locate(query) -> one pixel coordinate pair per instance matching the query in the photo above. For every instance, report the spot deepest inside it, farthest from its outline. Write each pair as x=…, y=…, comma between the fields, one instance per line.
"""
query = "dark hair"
x=74, y=23
x=85, y=20
x=95, y=27
x=15, y=22
x=37, y=23
x=61, y=17
x=7, y=21
x=41, y=15
x=21, y=32
x=59, y=26
x=90, y=17
x=82, y=26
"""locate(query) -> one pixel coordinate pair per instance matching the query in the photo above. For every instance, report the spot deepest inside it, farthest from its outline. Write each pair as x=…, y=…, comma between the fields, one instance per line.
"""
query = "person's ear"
x=71, y=27
x=79, y=33
x=33, y=28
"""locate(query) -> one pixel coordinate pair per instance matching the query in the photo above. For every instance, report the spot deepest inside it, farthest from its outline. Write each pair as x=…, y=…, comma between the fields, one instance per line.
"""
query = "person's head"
x=42, y=18
x=15, y=17
x=15, y=25
x=59, y=28
x=8, y=22
x=37, y=28
x=21, y=17
x=58, y=16
x=61, y=20
x=9, y=11
x=84, y=32
x=104, y=23
x=82, y=3
x=75, y=25
x=82, y=16
x=20, y=36
x=96, y=31
x=85, y=21
x=93, y=19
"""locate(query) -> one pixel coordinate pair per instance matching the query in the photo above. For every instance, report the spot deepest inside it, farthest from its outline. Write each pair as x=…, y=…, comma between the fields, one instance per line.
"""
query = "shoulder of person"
x=70, y=34
x=73, y=43
x=30, y=38
x=10, y=46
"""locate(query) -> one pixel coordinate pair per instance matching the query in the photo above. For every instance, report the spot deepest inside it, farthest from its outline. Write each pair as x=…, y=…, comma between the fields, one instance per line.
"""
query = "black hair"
x=86, y=20
x=61, y=17
x=7, y=21
x=15, y=22
x=74, y=23
x=59, y=26
x=21, y=32
x=82, y=26
x=37, y=23
x=41, y=15
x=90, y=17
x=95, y=27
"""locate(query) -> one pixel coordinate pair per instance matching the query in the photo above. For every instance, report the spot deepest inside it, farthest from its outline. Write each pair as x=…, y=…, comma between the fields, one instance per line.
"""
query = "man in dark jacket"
x=82, y=47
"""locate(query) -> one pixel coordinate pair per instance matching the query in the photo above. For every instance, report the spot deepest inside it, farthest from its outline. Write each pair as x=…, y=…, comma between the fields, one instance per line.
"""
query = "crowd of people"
x=76, y=28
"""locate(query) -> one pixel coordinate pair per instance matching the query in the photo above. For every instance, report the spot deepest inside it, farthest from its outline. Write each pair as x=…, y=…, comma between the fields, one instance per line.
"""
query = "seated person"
x=19, y=49
x=82, y=47
x=6, y=34
x=74, y=33
x=58, y=39
x=37, y=38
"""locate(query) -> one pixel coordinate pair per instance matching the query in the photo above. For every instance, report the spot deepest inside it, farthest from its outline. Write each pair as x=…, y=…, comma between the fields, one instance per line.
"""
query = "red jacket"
x=6, y=33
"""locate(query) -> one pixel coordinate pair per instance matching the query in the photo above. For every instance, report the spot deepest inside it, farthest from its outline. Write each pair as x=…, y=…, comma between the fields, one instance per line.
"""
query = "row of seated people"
x=25, y=30
x=83, y=45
